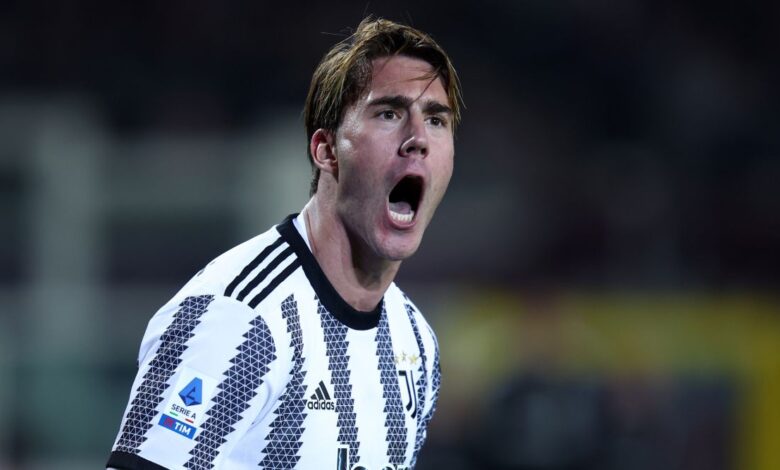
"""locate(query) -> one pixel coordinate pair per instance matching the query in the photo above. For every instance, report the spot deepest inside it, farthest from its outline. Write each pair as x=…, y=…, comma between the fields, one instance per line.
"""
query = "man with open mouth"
x=295, y=349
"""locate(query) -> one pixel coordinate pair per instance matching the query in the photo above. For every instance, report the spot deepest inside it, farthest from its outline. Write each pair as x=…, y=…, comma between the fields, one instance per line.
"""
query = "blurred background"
x=603, y=274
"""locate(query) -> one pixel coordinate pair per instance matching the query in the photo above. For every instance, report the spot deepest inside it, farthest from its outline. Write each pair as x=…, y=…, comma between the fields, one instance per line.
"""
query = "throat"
x=359, y=277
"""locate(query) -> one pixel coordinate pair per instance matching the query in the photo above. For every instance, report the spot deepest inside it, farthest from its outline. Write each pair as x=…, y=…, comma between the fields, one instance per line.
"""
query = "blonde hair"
x=344, y=73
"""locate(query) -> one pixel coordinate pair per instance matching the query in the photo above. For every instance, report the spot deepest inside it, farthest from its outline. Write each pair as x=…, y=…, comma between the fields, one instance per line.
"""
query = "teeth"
x=405, y=218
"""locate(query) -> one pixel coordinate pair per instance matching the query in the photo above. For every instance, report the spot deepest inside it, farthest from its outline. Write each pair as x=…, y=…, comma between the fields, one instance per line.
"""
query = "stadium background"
x=602, y=275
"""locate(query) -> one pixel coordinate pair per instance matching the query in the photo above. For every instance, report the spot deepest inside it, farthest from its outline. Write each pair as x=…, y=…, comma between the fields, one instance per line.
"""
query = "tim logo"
x=406, y=378
x=177, y=426
x=320, y=399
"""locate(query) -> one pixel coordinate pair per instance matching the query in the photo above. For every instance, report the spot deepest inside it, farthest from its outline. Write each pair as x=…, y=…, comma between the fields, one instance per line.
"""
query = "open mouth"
x=405, y=198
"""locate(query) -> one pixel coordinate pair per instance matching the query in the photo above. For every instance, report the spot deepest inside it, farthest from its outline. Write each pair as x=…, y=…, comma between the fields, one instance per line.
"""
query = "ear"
x=322, y=151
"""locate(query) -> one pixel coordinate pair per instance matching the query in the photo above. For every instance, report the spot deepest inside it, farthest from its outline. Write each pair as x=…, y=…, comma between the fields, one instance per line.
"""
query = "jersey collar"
x=330, y=299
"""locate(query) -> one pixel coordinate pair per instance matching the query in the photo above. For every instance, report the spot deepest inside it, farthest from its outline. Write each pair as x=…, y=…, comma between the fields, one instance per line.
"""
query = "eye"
x=437, y=121
x=388, y=114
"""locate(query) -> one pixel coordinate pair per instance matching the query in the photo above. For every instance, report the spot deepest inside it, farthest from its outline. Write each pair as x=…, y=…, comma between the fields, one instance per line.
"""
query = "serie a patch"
x=185, y=409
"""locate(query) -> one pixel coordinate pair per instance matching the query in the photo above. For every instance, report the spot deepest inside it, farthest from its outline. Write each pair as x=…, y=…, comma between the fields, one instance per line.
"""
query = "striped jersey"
x=259, y=363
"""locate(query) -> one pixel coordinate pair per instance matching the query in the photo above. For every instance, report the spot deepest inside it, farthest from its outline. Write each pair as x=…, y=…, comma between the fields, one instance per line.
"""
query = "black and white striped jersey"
x=259, y=363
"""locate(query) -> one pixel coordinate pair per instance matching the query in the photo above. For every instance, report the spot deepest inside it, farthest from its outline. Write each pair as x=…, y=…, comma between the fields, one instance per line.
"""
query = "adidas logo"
x=320, y=399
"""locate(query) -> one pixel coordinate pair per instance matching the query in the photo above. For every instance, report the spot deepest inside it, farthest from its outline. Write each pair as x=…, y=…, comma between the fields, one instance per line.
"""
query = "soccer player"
x=295, y=349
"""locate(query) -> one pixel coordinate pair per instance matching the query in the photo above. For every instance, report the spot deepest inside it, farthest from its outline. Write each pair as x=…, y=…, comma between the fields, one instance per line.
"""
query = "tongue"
x=401, y=207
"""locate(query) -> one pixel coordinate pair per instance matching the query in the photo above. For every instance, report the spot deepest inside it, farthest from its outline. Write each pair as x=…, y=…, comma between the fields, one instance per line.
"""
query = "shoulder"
x=396, y=296
x=247, y=272
x=223, y=274
x=396, y=299
x=225, y=295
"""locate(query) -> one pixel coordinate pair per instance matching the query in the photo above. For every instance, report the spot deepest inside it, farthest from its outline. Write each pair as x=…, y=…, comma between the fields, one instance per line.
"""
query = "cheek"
x=368, y=162
x=450, y=166
x=441, y=179
x=444, y=182
x=360, y=175
x=445, y=168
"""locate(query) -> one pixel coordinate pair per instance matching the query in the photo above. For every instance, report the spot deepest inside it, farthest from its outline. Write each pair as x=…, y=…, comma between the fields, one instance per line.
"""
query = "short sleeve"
x=203, y=372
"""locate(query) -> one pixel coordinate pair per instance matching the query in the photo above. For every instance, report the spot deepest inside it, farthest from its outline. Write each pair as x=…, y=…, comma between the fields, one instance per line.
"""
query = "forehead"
x=406, y=76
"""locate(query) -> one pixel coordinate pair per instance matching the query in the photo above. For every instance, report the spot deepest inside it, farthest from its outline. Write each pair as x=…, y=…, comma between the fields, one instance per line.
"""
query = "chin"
x=399, y=251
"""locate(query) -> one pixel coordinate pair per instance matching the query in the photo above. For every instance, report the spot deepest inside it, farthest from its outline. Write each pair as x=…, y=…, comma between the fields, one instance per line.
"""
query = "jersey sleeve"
x=205, y=375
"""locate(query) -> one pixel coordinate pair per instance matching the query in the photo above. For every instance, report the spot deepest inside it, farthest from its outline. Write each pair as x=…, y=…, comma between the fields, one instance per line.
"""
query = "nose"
x=416, y=141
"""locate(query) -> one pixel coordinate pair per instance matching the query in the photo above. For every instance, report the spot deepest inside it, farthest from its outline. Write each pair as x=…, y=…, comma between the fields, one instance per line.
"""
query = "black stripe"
x=318, y=392
x=251, y=266
x=275, y=283
x=126, y=460
x=240, y=384
x=283, y=441
x=324, y=390
x=265, y=272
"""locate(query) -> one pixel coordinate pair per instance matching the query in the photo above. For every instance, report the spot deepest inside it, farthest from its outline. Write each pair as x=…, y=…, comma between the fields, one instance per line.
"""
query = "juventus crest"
x=406, y=379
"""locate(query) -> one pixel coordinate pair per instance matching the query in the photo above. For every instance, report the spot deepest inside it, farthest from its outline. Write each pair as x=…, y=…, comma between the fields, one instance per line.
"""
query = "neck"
x=359, y=276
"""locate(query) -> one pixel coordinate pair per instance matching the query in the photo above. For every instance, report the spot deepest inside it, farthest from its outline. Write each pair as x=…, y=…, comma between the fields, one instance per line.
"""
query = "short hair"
x=344, y=74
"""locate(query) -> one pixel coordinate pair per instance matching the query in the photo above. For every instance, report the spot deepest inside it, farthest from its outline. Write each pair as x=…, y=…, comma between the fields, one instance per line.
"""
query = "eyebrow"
x=400, y=101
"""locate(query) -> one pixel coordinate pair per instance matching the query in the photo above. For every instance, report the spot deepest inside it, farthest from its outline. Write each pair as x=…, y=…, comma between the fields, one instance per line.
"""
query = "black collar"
x=327, y=294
